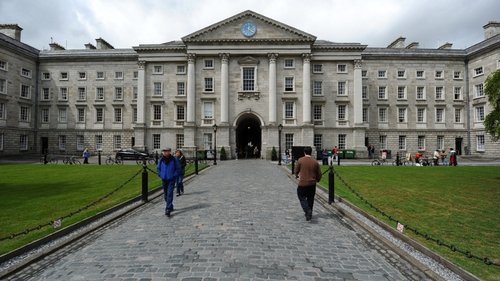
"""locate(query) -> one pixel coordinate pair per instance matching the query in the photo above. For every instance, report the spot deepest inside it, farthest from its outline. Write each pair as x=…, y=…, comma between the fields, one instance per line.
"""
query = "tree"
x=492, y=90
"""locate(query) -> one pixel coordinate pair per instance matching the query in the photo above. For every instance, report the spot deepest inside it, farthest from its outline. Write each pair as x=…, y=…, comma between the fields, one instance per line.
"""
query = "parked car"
x=131, y=154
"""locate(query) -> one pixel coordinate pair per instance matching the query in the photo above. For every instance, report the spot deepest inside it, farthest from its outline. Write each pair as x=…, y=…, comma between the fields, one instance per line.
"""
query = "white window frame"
x=117, y=142
x=285, y=110
x=342, y=141
x=24, y=114
x=82, y=75
x=45, y=76
x=208, y=141
x=181, y=90
x=134, y=114
x=23, y=142
x=288, y=66
x=206, y=82
x=156, y=138
x=45, y=115
x=318, y=141
x=443, y=117
x=26, y=95
x=383, y=118
x=97, y=97
x=478, y=71
x=440, y=142
x=180, y=69
x=315, y=109
x=342, y=68
x=61, y=142
x=345, y=92
x=479, y=90
x=157, y=69
x=156, y=112
x=384, y=92
x=117, y=118
x=118, y=94
x=342, y=116
x=177, y=109
x=287, y=89
x=479, y=113
x=402, y=115
x=317, y=68
x=3, y=86
x=135, y=92
x=424, y=95
x=423, y=111
x=207, y=62
x=243, y=79
x=364, y=73
x=421, y=143
x=457, y=112
x=157, y=93
x=404, y=97
x=63, y=76
x=1, y=141
x=480, y=142
x=101, y=110
x=455, y=76
x=135, y=75
x=25, y=72
x=418, y=72
x=63, y=93
x=4, y=65
x=459, y=93
x=3, y=113
x=402, y=142
x=208, y=117
x=119, y=75
x=62, y=115
x=80, y=115
x=364, y=92
x=439, y=74
x=98, y=74
x=179, y=141
x=98, y=142
x=289, y=141
x=365, y=116
x=82, y=96
x=382, y=140
x=80, y=142
x=443, y=95
x=317, y=90
x=382, y=74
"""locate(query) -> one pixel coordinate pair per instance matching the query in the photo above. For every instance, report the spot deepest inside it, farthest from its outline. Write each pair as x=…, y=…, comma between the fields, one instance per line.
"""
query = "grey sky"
x=127, y=23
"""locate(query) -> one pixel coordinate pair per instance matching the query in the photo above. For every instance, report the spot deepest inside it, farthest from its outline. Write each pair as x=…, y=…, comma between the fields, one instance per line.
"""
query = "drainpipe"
x=35, y=120
x=469, y=148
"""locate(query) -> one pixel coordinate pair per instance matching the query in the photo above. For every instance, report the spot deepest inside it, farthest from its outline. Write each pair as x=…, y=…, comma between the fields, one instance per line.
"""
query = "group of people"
x=171, y=170
x=330, y=156
x=440, y=156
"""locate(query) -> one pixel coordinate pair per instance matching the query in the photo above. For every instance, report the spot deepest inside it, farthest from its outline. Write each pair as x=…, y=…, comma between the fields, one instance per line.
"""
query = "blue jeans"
x=168, y=193
x=180, y=184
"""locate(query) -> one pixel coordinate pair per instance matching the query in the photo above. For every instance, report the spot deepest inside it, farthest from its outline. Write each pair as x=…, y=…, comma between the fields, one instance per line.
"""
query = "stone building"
x=247, y=75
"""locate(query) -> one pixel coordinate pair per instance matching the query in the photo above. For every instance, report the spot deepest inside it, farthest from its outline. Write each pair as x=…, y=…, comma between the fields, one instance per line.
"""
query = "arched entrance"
x=248, y=136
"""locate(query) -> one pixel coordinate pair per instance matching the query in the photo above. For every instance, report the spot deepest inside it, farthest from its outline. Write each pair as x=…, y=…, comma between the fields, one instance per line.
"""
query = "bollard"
x=293, y=165
x=144, y=182
x=397, y=159
x=99, y=157
x=331, y=186
x=196, y=161
x=338, y=159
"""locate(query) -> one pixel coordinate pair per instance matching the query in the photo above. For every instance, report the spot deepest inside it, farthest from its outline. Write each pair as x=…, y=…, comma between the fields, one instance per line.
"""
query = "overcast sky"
x=127, y=23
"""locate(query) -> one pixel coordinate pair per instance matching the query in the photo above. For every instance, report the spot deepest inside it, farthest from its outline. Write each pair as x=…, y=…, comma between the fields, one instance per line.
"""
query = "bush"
x=274, y=154
x=223, y=155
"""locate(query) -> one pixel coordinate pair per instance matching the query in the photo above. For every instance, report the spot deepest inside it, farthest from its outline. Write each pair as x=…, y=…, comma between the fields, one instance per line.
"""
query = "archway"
x=248, y=136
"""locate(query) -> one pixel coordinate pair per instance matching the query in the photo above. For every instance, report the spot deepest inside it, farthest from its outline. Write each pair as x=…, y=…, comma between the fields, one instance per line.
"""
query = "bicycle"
x=71, y=160
x=380, y=161
x=110, y=161
x=50, y=159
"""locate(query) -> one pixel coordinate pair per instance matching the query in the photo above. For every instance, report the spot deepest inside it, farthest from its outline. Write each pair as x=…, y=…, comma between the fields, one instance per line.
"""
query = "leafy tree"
x=492, y=90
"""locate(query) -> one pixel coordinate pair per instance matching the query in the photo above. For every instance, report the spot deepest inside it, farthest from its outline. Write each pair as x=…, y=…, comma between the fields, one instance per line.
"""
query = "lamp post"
x=215, y=143
x=280, y=127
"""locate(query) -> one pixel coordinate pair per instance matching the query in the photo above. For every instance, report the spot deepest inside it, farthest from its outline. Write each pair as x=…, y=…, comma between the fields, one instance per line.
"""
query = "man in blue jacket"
x=168, y=170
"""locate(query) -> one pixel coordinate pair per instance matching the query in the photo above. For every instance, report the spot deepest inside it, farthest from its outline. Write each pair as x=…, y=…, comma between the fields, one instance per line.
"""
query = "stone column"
x=358, y=99
x=224, y=91
x=272, y=88
x=140, y=126
x=306, y=89
x=191, y=88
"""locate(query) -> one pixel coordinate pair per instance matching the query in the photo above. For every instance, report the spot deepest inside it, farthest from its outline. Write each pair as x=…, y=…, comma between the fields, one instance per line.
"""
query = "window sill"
x=208, y=92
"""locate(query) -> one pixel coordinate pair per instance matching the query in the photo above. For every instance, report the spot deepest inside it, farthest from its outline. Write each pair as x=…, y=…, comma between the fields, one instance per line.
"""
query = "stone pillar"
x=358, y=100
x=224, y=89
x=191, y=88
x=140, y=126
x=272, y=88
x=306, y=89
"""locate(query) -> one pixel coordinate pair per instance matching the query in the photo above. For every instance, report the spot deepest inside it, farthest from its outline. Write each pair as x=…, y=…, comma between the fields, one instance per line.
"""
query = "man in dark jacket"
x=180, y=179
x=168, y=170
x=309, y=173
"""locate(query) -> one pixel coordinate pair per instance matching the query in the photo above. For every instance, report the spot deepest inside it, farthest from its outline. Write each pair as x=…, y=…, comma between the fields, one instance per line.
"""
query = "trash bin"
x=341, y=154
x=349, y=154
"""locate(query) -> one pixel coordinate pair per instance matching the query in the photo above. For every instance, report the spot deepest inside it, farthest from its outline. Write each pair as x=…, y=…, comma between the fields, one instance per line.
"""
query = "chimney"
x=56, y=47
x=445, y=46
x=491, y=29
x=102, y=44
x=398, y=43
x=11, y=30
x=89, y=46
x=412, y=45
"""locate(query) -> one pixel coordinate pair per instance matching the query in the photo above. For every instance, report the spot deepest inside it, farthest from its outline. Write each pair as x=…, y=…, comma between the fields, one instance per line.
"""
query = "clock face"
x=248, y=29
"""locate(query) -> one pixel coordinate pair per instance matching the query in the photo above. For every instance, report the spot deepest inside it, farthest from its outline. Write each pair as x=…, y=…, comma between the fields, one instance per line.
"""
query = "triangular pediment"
x=229, y=30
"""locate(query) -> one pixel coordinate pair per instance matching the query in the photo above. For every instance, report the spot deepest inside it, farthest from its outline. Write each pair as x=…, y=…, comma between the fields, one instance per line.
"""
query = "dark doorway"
x=248, y=137
x=458, y=145
x=133, y=141
x=45, y=145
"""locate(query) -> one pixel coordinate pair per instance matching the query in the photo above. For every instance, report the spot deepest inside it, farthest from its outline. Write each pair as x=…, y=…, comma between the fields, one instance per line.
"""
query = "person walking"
x=453, y=157
x=86, y=155
x=168, y=170
x=180, y=179
x=309, y=173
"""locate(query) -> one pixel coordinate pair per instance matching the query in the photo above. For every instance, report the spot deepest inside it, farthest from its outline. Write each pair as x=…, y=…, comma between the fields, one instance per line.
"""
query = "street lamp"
x=215, y=143
x=280, y=127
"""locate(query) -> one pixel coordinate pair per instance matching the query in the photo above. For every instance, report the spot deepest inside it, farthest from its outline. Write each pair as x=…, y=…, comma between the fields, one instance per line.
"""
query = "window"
x=46, y=76
x=209, y=64
x=156, y=141
x=382, y=140
x=480, y=142
x=248, y=78
x=317, y=68
x=63, y=93
x=364, y=73
x=365, y=115
x=457, y=75
x=317, y=113
x=181, y=113
x=157, y=89
x=98, y=142
x=181, y=89
x=458, y=115
x=364, y=92
x=99, y=93
x=382, y=114
x=44, y=115
x=480, y=114
x=23, y=142
x=318, y=141
x=99, y=115
x=3, y=65
x=342, y=141
x=80, y=114
x=179, y=140
x=82, y=94
x=24, y=114
x=63, y=115
x=25, y=91
x=288, y=141
x=3, y=86
x=80, y=142
x=401, y=92
x=401, y=73
x=438, y=74
x=135, y=75
x=82, y=75
x=62, y=142
x=341, y=112
x=478, y=71
x=421, y=116
x=135, y=92
x=118, y=115
x=157, y=112
x=457, y=93
x=117, y=142
x=209, y=84
x=289, y=110
x=420, y=93
x=208, y=112
x=382, y=74
x=420, y=74
x=63, y=76
x=440, y=142
x=100, y=75
x=1, y=142
x=341, y=68
x=317, y=88
x=289, y=63
x=439, y=115
x=157, y=69
x=421, y=143
x=134, y=114
x=118, y=93
x=439, y=93
x=382, y=94
x=479, y=90
x=342, y=88
x=119, y=75
x=25, y=72
x=289, y=85
x=45, y=94
x=181, y=69
x=402, y=115
x=2, y=111
x=402, y=143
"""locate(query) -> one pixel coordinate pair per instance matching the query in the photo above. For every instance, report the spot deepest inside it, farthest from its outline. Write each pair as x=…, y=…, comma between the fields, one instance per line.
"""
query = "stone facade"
x=400, y=98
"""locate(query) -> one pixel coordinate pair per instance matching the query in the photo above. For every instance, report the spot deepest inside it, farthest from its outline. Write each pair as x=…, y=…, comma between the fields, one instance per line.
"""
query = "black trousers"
x=306, y=197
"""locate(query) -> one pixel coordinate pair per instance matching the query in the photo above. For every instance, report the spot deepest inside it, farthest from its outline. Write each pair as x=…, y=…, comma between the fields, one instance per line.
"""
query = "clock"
x=248, y=29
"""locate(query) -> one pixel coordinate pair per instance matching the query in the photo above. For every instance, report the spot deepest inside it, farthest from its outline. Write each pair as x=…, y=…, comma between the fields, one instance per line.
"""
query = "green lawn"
x=33, y=194
x=458, y=205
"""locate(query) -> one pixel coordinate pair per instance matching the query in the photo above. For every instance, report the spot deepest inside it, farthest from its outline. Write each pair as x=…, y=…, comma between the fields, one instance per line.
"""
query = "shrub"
x=223, y=155
x=274, y=154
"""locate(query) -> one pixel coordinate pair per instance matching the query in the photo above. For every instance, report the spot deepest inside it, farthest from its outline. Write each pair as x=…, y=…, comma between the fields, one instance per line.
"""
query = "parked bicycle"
x=110, y=160
x=71, y=160
x=379, y=161
x=50, y=159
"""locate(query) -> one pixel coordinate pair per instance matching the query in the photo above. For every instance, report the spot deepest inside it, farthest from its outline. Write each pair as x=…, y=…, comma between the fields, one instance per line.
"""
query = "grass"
x=458, y=205
x=33, y=194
